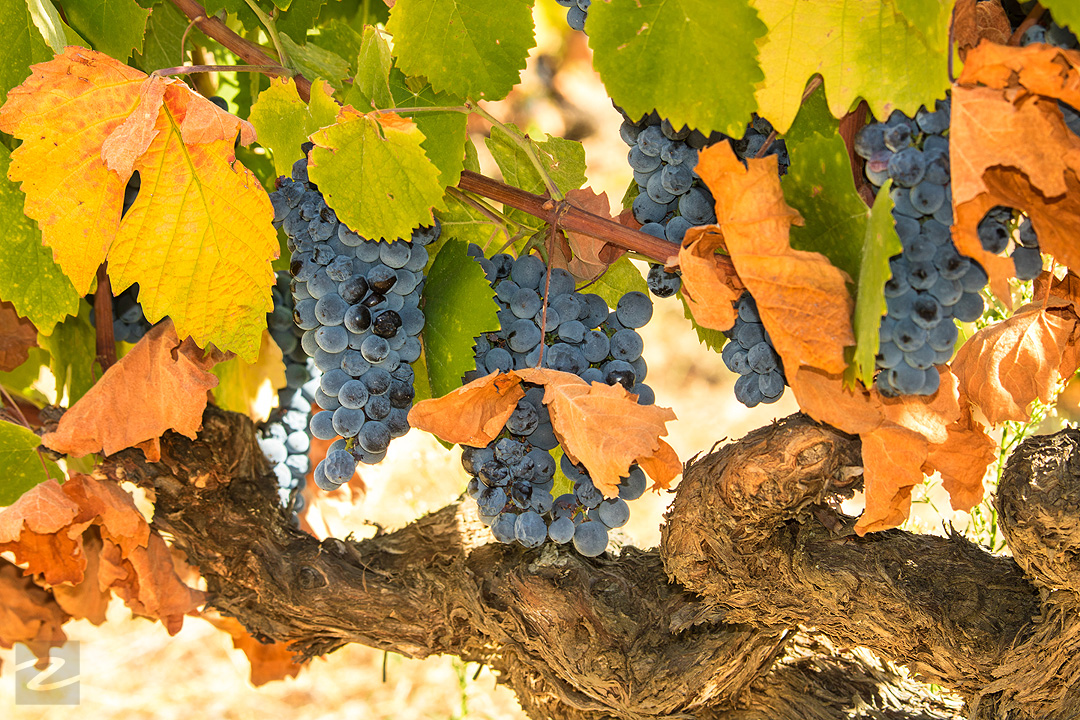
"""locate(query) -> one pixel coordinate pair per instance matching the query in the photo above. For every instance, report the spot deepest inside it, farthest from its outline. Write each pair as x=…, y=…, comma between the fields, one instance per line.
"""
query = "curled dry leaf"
x=1010, y=146
x=962, y=460
x=1004, y=367
x=269, y=661
x=802, y=298
x=600, y=426
x=592, y=256
x=896, y=435
x=88, y=599
x=710, y=285
x=35, y=529
x=159, y=385
x=17, y=336
x=974, y=21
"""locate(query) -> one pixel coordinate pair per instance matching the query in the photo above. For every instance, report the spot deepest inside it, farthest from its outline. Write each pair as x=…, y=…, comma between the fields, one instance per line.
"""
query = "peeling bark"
x=610, y=637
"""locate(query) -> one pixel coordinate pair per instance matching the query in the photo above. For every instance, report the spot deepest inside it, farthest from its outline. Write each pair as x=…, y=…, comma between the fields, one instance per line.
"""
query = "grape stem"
x=103, y=320
x=190, y=69
x=271, y=30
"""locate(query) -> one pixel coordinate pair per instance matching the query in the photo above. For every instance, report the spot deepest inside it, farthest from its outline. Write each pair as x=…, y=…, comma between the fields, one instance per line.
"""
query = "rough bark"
x=610, y=637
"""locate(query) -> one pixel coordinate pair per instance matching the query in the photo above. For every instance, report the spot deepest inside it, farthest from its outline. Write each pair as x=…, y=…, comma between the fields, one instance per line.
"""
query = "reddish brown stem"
x=246, y=50
x=569, y=218
x=1033, y=17
x=106, y=344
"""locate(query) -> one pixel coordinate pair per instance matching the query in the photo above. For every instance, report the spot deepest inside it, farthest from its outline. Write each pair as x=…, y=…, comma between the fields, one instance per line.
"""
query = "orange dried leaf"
x=892, y=460
x=471, y=415
x=107, y=504
x=87, y=599
x=825, y=398
x=802, y=298
x=147, y=582
x=1004, y=367
x=963, y=460
x=17, y=336
x=159, y=385
x=603, y=428
x=710, y=285
x=269, y=661
x=663, y=466
x=28, y=614
x=35, y=528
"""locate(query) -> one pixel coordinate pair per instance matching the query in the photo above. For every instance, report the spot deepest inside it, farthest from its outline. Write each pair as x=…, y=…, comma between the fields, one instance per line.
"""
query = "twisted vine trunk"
x=752, y=562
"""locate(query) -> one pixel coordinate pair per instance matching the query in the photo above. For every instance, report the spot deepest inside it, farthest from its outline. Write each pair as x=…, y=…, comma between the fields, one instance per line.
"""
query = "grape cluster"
x=576, y=13
x=931, y=284
x=284, y=437
x=357, y=303
x=750, y=353
x=513, y=476
x=995, y=233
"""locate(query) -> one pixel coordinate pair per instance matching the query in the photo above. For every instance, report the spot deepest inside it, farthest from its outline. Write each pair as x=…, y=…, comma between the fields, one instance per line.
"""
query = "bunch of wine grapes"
x=357, y=303
x=129, y=322
x=545, y=322
x=284, y=437
x=931, y=284
x=1003, y=226
x=750, y=353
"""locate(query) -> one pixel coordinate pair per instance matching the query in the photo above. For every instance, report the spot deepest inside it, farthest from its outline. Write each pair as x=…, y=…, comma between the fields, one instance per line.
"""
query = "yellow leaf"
x=250, y=388
x=198, y=240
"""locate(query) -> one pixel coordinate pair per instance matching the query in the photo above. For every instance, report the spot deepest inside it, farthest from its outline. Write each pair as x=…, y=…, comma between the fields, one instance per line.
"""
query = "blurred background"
x=132, y=669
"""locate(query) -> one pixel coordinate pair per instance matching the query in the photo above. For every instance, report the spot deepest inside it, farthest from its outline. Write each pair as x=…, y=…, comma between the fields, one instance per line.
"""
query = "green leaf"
x=283, y=122
x=462, y=221
x=21, y=466
x=312, y=61
x=562, y=485
x=371, y=86
x=48, y=22
x=473, y=48
x=927, y=16
x=1065, y=12
x=820, y=185
x=693, y=61
x=472, y=158
x=22, y=43
x=29, y=279
x=862, y=48
x=563, y=159
x=72, y=349
x=712, y=339
x=459, y=305
x=374, y=174
x=161, y=43
x=115, y=27
x=255, y=159
x=300, y=16
x=881, y=244
x=237, y=8
x=339, y=37
x=620, y=278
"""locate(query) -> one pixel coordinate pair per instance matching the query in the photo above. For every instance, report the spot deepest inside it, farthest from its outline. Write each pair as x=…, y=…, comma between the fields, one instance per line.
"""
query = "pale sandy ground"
x=132, y=669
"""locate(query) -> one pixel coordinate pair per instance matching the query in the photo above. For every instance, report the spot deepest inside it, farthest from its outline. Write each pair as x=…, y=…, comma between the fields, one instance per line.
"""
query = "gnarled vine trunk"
x=749, y=609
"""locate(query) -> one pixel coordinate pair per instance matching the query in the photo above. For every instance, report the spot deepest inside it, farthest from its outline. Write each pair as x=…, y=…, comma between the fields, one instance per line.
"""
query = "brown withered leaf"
x=17, y=336
x=1004, y=367
x=662, y=466
x=962, y=460
x=105, y=503
x=973, y=22
x=35, y=530
x=147, y=582
x=710, y=286
x=474, y=414
x=269, y=661
x=592, y=256
x=88, y=599
x=28, y=613
x=159, y=385
x=802, y=298
x=603, y=428
x=1010, y=146
x=825, y=398
x=892, y=460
